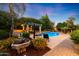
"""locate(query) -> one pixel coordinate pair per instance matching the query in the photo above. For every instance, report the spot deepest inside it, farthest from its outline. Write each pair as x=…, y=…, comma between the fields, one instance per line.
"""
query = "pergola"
x=32, y=24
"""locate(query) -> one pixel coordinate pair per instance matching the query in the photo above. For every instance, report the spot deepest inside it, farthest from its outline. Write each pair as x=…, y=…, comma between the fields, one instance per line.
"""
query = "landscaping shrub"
x=75, y=36
x=4, y=34
x=7, y=43
x=39, y=42
x=25, y=35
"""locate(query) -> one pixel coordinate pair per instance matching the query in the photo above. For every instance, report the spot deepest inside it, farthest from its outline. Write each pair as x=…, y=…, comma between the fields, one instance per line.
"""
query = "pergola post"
x=34, y=31
x=40, y=28
x=33, y=24
x=23, y=26
x=27, y=28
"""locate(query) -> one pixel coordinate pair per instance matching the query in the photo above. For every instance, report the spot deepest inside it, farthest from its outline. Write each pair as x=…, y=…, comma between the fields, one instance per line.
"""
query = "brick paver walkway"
x=65, y=48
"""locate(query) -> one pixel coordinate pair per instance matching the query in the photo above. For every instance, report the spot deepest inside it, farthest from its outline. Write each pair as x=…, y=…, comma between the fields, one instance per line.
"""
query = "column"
x=40, y=28
x=27, y=28
x=23, y=27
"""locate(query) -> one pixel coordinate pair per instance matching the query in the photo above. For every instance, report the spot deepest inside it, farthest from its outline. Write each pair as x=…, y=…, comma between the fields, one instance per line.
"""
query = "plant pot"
x=22, y=45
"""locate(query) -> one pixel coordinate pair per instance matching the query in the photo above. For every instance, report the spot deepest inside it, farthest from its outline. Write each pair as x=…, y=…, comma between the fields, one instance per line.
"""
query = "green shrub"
x=25, y=35
x=75, y=36
x=39, y=42
x=4, y=34
x=7, y=43
x=30, y=31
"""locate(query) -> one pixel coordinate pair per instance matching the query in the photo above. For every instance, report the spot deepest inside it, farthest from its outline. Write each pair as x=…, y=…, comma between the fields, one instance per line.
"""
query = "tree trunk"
x=12, y=19
x=12, y=27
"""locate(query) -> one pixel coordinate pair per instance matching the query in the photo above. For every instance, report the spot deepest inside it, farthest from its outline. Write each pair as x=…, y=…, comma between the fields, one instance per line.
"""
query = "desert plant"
x=75, y=36
x=39, y=42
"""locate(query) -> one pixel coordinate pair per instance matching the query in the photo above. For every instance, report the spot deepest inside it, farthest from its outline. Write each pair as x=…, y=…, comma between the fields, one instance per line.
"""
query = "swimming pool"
x=50, y=34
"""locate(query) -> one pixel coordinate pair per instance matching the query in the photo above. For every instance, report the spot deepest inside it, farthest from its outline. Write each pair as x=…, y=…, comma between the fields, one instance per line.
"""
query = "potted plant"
x=39, y=43
x=26, y=36
x=75, y=38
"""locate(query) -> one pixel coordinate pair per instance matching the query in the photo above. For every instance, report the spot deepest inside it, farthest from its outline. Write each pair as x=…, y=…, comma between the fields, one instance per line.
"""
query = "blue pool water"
x=50, y=34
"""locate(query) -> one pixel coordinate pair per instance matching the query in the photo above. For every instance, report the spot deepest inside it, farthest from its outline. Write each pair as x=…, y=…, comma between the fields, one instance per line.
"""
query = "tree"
x=62, y=27
x=47, y=24
x=24, y=20
x=70, y=23
x=27, y=20
x=77, y=26
x=5, y=25
x=14, y=9
x=5, y=22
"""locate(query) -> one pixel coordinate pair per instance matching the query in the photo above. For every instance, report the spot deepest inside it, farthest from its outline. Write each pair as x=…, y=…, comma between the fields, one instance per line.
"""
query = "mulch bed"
x=31, y=51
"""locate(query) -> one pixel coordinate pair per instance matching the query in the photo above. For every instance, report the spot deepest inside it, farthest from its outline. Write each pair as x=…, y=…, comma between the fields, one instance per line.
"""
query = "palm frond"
x=20, y=8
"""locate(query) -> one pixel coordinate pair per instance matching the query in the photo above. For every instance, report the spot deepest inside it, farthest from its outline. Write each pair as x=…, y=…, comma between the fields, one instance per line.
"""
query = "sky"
x=57, y=12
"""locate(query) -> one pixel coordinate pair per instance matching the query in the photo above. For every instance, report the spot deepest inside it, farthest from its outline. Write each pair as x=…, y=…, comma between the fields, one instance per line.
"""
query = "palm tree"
x=14, y=9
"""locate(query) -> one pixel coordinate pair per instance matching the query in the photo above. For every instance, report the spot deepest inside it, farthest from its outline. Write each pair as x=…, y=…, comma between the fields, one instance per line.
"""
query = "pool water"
x=50, y=34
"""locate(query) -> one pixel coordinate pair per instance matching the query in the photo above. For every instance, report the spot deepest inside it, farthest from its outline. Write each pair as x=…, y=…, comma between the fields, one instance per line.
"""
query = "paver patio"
x=57, y=46
x=64, y=48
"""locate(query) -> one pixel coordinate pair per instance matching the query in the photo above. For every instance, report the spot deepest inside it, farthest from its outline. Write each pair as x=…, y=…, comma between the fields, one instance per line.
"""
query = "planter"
x=17, y=46
x=21, y=47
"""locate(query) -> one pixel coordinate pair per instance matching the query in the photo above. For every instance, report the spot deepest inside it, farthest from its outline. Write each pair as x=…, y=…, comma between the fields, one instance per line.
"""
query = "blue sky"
x=57, y=12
